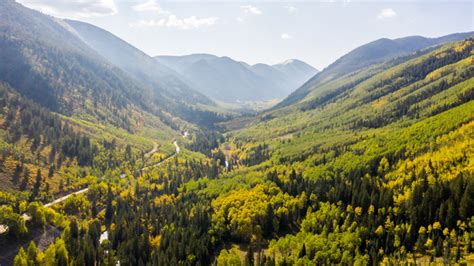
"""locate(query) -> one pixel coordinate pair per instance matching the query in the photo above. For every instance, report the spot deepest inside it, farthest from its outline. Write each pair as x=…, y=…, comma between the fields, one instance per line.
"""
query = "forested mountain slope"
x=368, y=55
x=29, y=133
x=385, y=164
x=47, y=61
x=65, y=110
x=380, y=173
x=372, y=166
x=141, y=66
x=70, y=119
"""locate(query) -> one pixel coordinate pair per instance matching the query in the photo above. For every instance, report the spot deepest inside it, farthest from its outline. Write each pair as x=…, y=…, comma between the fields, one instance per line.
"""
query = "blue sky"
x=317, y=32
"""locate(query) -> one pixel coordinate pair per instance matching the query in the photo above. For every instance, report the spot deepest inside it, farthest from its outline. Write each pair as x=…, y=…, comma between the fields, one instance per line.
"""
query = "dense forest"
x=374, y=166
x=380, y=171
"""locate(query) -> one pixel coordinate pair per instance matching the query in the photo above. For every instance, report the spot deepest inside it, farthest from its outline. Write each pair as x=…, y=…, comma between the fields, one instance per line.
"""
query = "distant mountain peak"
x=288, y=61
x=237, y=80
x=291, y=61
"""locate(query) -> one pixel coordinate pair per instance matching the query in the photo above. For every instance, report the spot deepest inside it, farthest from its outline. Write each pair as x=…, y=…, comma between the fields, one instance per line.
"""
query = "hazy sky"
x=317, y=32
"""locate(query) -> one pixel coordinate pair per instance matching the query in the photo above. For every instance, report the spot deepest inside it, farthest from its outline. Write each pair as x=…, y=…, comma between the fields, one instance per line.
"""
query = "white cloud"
x=387, y=13
x=190, y=22
x=150, y=6
x=73, y=8
x=239, y=19
x=168, y=19
x=249, y=9
x=291, y=9
x=172, y=21
x=286, y=36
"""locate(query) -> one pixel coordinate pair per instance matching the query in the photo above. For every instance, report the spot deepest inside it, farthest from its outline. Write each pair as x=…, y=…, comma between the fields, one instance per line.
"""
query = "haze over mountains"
x=228, y=80
x=74, y=61
x=59, y=63
x=369, y=162
x=190, y=77
x=49, y=61
x=138, y=64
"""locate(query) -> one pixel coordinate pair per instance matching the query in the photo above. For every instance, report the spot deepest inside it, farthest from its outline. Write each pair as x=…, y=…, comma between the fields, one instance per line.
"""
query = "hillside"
x=115, y=160
x=142, y=67
x=64, y=106
x=368, y=55
x=49, y=62
x=377, y=153
x=227, y=80
x=379, y=172
x=46, y=63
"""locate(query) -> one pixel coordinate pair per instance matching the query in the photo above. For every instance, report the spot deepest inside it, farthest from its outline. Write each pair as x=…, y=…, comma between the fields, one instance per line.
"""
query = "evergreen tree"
x=21, y=259
x=32, y=253
x=62, y=256
x=16, y=174
x=268, y=227
x=109, y=209
x=249, y=258
x=37, y=185
x=51, y=171
x=466, y=206
x=303, y=251
x=25, y=180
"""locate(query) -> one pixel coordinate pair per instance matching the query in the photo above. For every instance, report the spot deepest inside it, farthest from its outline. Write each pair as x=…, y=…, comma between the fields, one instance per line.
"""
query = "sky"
x=317, y=32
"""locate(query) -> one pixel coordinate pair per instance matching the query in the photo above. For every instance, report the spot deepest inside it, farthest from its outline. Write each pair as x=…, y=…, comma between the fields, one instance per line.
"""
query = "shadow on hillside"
x=10, y=246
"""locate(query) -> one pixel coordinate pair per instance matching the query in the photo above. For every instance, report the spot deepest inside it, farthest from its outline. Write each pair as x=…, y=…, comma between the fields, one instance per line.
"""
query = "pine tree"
x=32, y=253
x=25, y=180
x=37, y=185
x=268, y=227
x=466, y=206
x=303, y=251
x=62, y=256
x=109, y=210
x=51, y=171
x=249, y=258
x=16, y=174
x=439, y=247
x=21, y=259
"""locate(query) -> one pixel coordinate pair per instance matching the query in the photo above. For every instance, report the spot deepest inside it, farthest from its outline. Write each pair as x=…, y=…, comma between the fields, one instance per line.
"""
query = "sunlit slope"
x=65, y=110
x=400, y=113
x=33, y=138
x=167, y=84
x=397, y=97
x=47, y=61
x=367, y=56
x=378, y=161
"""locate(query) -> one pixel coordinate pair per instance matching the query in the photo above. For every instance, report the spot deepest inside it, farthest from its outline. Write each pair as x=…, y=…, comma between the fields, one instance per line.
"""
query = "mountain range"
x=383, y=147
x=228, y=80
x=368, y=55
x=136, y=63
x=110, y=156
x=78, y=69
